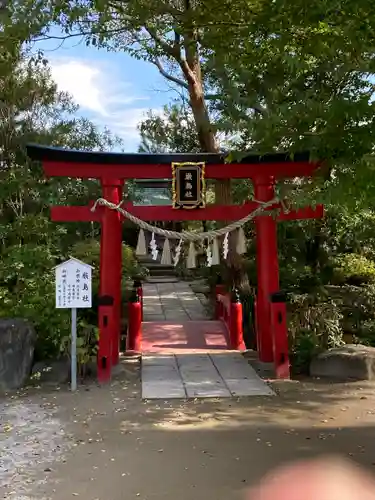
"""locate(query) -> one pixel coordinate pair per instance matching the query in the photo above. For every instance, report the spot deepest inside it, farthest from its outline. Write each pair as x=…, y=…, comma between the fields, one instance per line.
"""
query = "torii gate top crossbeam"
x=59, y=162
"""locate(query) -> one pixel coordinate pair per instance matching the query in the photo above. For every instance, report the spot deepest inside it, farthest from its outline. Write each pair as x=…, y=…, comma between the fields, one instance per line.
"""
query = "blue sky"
x=112, y=89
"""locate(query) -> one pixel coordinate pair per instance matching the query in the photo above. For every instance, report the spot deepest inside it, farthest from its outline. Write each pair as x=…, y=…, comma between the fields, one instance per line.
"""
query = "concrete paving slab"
x=159, y=390
x=153, y=310
x=191, y=359
x=162, y=373
x=154, y=317
x=200, y=376
x=168, y=298
x=232, y=368
x=207, y=392
x=159, y=360
x=239, y=376
x=246, y=388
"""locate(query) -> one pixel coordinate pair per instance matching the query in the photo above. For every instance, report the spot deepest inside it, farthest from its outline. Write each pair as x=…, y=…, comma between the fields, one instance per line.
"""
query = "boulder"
x=17, y=341
x=52, y=372
x=352, y=361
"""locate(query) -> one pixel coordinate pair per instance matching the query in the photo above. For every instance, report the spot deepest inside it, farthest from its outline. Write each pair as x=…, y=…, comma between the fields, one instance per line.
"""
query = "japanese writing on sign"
x=73, y=285
x=188, y=185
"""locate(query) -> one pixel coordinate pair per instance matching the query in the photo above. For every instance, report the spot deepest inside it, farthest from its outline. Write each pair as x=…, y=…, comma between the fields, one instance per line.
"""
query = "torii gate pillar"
x=110, y=281
x=267, y=268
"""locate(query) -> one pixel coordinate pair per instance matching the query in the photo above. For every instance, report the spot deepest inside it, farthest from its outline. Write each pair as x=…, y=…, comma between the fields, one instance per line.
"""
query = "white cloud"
x=82, y=81
x=99, y=91
x=127, y=120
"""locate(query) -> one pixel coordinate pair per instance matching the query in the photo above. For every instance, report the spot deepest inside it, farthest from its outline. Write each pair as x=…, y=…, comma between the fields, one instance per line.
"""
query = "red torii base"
x=112, y=169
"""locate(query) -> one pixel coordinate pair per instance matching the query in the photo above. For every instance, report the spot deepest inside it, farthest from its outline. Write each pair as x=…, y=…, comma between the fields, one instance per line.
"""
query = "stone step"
x=156, y=265
x=150, y=262
x=162, y=272
x=162, y=279
x=156, y=269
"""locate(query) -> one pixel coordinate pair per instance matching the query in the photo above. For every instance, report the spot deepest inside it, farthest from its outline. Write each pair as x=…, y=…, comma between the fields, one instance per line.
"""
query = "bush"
x=353, y=269
x=358, y=310
x=314, y=326
x=89, y=251
x=87, y=346
x=27, y=290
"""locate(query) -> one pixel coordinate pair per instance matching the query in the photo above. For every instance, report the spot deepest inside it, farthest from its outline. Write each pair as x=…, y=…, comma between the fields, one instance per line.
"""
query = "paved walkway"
x=172, y=302
x=177, y=337
x=171, y=376
x=185, y=355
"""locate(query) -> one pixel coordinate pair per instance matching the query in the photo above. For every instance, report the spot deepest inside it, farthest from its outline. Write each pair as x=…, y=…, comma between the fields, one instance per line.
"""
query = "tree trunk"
x=191, y=69
x=206, y=136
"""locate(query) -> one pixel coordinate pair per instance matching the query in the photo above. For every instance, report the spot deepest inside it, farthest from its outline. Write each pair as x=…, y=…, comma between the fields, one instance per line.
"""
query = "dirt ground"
x=105, y=443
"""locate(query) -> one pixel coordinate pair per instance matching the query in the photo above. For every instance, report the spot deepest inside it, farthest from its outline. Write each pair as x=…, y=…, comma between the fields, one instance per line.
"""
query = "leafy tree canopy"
x=278, y=75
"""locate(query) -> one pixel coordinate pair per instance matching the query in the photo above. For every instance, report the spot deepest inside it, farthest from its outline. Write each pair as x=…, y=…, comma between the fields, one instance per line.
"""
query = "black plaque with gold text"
x=188, y=185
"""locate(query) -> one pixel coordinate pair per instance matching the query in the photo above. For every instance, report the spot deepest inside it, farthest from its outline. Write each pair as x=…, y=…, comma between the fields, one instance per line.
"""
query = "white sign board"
x=73, y=285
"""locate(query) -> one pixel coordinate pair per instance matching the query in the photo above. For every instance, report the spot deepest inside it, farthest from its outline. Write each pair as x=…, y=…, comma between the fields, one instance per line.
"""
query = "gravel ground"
x=31, y=436
x=105, y=443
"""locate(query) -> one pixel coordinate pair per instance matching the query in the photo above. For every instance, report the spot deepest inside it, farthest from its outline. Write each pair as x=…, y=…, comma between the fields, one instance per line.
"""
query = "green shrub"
x=87, y=346
x=314, y=325
x=27, y=290
x=353, y=269
x=89, y=251
x=358, y=310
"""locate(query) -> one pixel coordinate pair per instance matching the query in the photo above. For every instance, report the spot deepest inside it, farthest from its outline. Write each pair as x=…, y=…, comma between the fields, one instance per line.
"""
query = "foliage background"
x=257, y=75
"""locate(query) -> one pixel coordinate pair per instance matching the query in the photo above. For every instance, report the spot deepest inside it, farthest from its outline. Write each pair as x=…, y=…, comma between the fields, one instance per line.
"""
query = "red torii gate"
x=113, y=168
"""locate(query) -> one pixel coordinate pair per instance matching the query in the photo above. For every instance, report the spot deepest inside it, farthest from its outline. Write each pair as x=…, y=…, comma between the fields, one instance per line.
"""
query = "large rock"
x=54, y=372
x=352, y=361
x=17, y=340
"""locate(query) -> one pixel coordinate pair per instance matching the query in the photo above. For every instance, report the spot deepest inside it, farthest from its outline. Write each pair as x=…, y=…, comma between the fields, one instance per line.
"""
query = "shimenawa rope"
x=186, y=235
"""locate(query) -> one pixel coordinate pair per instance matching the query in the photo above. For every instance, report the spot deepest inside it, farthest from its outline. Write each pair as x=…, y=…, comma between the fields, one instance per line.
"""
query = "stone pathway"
x=172, y=302
x=178, y=337
x=185, y=355
x=172, y=376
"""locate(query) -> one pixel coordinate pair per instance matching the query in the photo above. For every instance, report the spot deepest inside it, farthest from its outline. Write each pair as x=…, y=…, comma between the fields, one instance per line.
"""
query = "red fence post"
x=104, y=359
x=134, y=337
x=138, y=286
x=280, y=338
x=256, y=324
x=235, y=322
x=140, y=291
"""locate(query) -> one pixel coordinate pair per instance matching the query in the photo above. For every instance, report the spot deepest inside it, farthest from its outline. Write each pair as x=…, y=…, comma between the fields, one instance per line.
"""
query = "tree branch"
x=170, y=50
x=77, y=34
x=255, y=107
x=162, y=8
x=166, y=75
x=177, y=41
